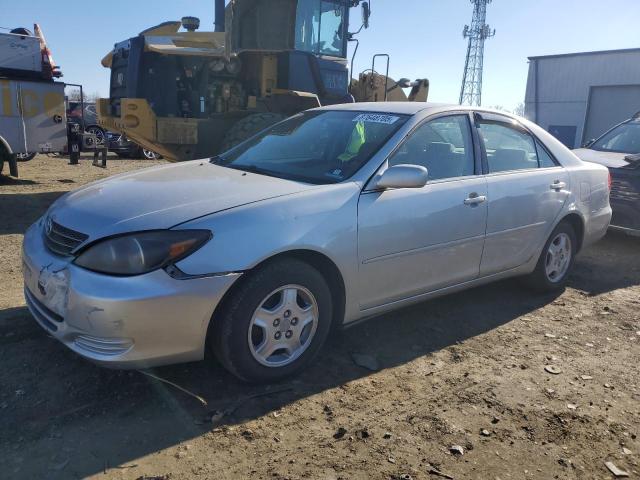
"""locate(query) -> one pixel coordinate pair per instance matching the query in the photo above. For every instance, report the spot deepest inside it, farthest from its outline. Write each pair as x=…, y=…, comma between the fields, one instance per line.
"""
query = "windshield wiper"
x=245, y=168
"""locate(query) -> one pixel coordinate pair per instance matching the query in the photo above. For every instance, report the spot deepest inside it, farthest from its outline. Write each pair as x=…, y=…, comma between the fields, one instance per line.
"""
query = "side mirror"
x=403, y=176
x=366, y=14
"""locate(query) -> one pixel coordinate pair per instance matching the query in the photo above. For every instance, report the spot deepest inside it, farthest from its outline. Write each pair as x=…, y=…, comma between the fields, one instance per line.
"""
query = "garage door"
x=609, y=106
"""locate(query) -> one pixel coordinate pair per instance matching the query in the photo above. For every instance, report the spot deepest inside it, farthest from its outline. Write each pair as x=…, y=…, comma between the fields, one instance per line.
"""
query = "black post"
x=219, y=16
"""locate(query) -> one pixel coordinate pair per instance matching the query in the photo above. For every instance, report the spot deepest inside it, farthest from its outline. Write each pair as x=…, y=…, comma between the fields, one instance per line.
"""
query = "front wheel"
x=556, y=260
x=99, y=134
x=274, y=323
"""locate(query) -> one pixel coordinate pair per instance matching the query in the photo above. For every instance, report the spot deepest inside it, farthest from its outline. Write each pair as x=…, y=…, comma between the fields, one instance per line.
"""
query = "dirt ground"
x=467, y=370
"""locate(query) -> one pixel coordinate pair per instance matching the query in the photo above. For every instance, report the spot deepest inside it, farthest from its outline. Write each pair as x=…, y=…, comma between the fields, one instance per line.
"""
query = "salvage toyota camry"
x=329, y=217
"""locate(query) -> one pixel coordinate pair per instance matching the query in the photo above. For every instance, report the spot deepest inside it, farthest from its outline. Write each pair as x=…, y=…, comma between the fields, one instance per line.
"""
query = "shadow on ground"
x=30, y=205
x=100, y=418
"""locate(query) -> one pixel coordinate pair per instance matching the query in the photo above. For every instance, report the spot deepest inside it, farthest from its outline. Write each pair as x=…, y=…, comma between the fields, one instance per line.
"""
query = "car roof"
x=401, y=108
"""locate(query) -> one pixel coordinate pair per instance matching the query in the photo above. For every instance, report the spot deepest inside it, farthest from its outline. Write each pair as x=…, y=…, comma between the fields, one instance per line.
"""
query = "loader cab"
x=321, y=27
x=309, y=38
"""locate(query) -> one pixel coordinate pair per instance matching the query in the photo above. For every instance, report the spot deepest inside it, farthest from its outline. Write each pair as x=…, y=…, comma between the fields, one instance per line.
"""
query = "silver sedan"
x=329, y=217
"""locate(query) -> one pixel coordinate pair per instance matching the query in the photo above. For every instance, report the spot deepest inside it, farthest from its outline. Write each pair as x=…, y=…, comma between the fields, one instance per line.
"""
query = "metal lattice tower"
x=477, y=33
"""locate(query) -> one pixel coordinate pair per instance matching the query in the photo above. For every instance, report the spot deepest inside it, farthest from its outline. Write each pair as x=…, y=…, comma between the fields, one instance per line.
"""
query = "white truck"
x=32, y=103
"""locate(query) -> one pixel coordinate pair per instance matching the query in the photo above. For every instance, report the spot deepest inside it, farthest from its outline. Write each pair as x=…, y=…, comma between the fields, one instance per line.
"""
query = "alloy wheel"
x=148, y=154
x=99, y=133
x=558, y=258
x=283, y=326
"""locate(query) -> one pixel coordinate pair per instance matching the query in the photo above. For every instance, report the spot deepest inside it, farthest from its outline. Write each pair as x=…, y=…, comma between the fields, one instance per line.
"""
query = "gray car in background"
x=324, y=219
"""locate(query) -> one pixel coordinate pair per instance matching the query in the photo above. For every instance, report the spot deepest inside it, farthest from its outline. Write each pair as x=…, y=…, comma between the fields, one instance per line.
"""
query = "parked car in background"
x=125, y=148
x=619, y=151
x=329, y=217
x=87, y=118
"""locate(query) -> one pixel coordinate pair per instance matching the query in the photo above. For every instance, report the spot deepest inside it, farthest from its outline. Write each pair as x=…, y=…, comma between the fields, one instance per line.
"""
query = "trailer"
x=32, y=103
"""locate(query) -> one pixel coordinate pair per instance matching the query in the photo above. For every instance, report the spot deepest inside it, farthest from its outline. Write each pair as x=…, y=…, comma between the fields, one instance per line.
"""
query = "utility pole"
x=477, y=33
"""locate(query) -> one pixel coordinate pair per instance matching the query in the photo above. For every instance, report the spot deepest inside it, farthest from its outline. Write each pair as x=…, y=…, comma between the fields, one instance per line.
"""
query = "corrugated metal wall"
x=559, y=88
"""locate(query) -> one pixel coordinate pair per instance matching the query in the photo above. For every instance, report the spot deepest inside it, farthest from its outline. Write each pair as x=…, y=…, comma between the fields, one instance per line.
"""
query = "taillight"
x=610, y=181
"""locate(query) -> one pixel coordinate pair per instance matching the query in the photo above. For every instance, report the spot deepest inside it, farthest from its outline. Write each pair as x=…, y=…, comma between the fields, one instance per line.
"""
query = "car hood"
x=608, y=159
x=162, y=197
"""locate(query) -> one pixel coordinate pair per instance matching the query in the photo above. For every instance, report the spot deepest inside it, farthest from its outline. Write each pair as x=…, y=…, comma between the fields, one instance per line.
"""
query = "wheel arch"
x=4, y=146
x=577, y=223
x=321, y=262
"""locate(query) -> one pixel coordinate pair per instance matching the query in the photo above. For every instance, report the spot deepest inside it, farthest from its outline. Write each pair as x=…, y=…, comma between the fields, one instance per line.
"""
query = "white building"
x=579, y=96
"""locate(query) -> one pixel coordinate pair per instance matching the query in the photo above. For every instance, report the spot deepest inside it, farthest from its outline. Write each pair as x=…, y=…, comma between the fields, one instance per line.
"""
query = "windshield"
x=321, y=26
x=320, y=147
x=624, y=138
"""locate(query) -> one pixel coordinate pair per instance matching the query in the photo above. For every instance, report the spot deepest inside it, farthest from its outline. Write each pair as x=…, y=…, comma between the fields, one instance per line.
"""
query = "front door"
x=412, y=241
x=527, y=189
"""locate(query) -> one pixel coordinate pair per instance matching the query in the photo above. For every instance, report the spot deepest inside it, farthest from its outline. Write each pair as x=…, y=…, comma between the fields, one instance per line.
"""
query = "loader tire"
x=248, y=127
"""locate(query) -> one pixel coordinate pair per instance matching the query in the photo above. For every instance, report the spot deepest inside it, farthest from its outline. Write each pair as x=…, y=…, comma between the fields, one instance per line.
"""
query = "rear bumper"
x=120, y=322
x=596, y=226
x=626, y=215
x=625, y=199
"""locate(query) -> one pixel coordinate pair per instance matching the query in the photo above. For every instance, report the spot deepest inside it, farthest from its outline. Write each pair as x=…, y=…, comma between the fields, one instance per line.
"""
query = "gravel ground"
x=461, y=391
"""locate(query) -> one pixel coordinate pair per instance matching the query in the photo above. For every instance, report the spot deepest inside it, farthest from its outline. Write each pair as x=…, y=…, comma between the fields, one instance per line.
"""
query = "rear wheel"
x=556, y=260
x=248, y=127
x=274, y=323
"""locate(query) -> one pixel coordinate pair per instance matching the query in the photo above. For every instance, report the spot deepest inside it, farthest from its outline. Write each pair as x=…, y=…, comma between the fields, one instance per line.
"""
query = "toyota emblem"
x=48, y=226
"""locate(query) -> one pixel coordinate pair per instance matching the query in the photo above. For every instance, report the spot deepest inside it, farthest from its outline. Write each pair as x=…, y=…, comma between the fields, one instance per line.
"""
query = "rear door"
x=527, y=189
x=41, y=106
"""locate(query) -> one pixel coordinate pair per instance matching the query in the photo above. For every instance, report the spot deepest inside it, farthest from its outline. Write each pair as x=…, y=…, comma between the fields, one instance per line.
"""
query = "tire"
x=98, y=132
x=248, y=127
x=240, y=331
x=148, y=154
x=549, y=276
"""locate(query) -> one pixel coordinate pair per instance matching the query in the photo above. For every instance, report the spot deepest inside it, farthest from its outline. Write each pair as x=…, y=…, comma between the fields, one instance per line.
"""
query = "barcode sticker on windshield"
x=376, y=118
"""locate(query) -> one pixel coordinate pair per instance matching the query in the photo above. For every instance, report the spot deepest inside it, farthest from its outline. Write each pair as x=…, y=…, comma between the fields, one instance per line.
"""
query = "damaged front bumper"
x=121, y=322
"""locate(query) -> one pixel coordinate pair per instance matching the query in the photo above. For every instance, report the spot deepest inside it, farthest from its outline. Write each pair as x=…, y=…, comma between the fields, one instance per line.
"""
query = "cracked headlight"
x=143, y=252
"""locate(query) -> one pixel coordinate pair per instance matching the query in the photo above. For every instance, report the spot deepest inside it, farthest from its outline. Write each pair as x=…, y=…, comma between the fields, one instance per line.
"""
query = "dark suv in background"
x=619, y=151
x=125, y=148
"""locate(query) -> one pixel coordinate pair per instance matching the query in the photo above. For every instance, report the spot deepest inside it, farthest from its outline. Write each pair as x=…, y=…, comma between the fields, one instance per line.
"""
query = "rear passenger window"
x=444, y=146
x=544, y=157
x=508, y=148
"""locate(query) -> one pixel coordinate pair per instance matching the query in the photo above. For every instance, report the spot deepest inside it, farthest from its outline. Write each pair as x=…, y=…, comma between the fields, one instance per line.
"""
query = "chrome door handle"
x=475, y=199
x=557, y=185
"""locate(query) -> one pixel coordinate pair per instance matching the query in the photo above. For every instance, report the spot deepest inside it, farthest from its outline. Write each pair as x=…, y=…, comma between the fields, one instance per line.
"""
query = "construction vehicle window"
x=308, y=25
x=331, y=29
x=315, y=147
x=320, y=27
x=443, y=146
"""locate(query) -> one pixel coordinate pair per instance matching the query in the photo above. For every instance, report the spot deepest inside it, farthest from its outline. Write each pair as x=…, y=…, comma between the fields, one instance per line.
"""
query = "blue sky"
x=423, y=37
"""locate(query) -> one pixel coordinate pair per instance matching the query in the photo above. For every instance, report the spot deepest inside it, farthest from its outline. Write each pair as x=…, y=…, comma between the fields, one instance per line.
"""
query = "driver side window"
x=443, y=146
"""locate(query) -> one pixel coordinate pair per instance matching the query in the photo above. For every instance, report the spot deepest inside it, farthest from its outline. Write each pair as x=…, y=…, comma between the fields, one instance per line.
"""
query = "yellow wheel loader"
x=192, y=94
